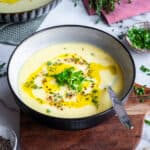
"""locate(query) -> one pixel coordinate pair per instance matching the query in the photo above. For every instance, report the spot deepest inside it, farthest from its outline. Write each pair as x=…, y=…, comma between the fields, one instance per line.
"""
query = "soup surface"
x=11, y=6
x=69, y=80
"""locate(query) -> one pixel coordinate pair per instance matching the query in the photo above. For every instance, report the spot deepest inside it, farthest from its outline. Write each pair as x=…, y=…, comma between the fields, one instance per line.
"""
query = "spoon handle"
x=120, y=109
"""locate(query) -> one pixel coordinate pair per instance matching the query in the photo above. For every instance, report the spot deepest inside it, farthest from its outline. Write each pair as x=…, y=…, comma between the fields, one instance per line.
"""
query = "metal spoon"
x=120, y=109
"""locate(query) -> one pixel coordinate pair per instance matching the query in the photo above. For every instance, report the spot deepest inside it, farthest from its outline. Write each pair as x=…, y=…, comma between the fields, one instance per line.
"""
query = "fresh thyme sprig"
x=106, y=5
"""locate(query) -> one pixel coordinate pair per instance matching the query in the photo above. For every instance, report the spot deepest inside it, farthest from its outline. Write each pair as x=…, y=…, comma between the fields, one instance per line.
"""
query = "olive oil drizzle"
x=84, y=89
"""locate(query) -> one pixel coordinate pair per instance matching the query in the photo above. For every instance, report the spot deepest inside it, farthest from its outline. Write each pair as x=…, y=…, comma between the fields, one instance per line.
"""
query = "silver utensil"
x=120, y=109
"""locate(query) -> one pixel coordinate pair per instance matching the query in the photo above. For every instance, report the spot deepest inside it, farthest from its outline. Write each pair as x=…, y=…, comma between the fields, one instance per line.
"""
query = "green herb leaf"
x=31, y=85
x=95, y=91
x=144, y=69
x=49, y=63
x=73, y=79
x=48, y=110
x=139, y=91
x=34, y=86
x=92, y=54
x=141, y=100
x=95, y=101
x=139, y=37
x=147, y=122
x=2, y=65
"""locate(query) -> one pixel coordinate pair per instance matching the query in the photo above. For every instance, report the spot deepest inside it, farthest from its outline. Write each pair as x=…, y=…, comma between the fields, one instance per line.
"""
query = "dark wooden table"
x=109, y=135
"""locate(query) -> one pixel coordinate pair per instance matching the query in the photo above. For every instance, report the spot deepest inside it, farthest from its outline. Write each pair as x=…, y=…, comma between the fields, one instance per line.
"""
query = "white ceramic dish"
x=145, y=25
x=25, y=10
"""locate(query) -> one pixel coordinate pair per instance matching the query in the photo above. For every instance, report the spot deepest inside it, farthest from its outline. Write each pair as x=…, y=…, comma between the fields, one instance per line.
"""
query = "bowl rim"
x=81, y=118
x=27, y=11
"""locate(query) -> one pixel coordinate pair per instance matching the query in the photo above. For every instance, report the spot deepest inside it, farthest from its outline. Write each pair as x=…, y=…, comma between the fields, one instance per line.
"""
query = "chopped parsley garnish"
x=139, y=37
x=73, y=79
x=95, y=101
x=147, y=122
x=57, y=96
x=92, y=54
x=34, y=86
x=31, y=85
x=48, y=110
x=145, y=70
x=95, y=91
x=49, y=63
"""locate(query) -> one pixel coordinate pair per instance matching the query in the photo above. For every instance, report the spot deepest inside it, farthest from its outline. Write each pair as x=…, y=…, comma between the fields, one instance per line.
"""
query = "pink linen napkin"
x=123, y=11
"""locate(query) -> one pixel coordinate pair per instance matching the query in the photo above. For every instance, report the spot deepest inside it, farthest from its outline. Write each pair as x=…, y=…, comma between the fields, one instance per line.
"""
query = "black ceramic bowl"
x=70, y=33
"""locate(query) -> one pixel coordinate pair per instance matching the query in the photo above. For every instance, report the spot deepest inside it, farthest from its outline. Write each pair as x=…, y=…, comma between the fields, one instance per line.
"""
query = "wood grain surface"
x=109, y=135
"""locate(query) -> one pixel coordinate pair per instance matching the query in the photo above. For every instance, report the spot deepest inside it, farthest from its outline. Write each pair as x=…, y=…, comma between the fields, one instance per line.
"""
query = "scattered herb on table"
x=139, y=37
x=139, y=92
x=141, y=100
x=5, y=144
x=73, y=79
x=2, y=71
x=147, y=122
x=145, y=70
x=121, y=36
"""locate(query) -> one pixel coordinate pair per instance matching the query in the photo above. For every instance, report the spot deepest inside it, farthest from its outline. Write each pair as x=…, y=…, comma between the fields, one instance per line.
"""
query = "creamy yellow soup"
x=69, y=80
x=9, y=1
x=11, y=6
